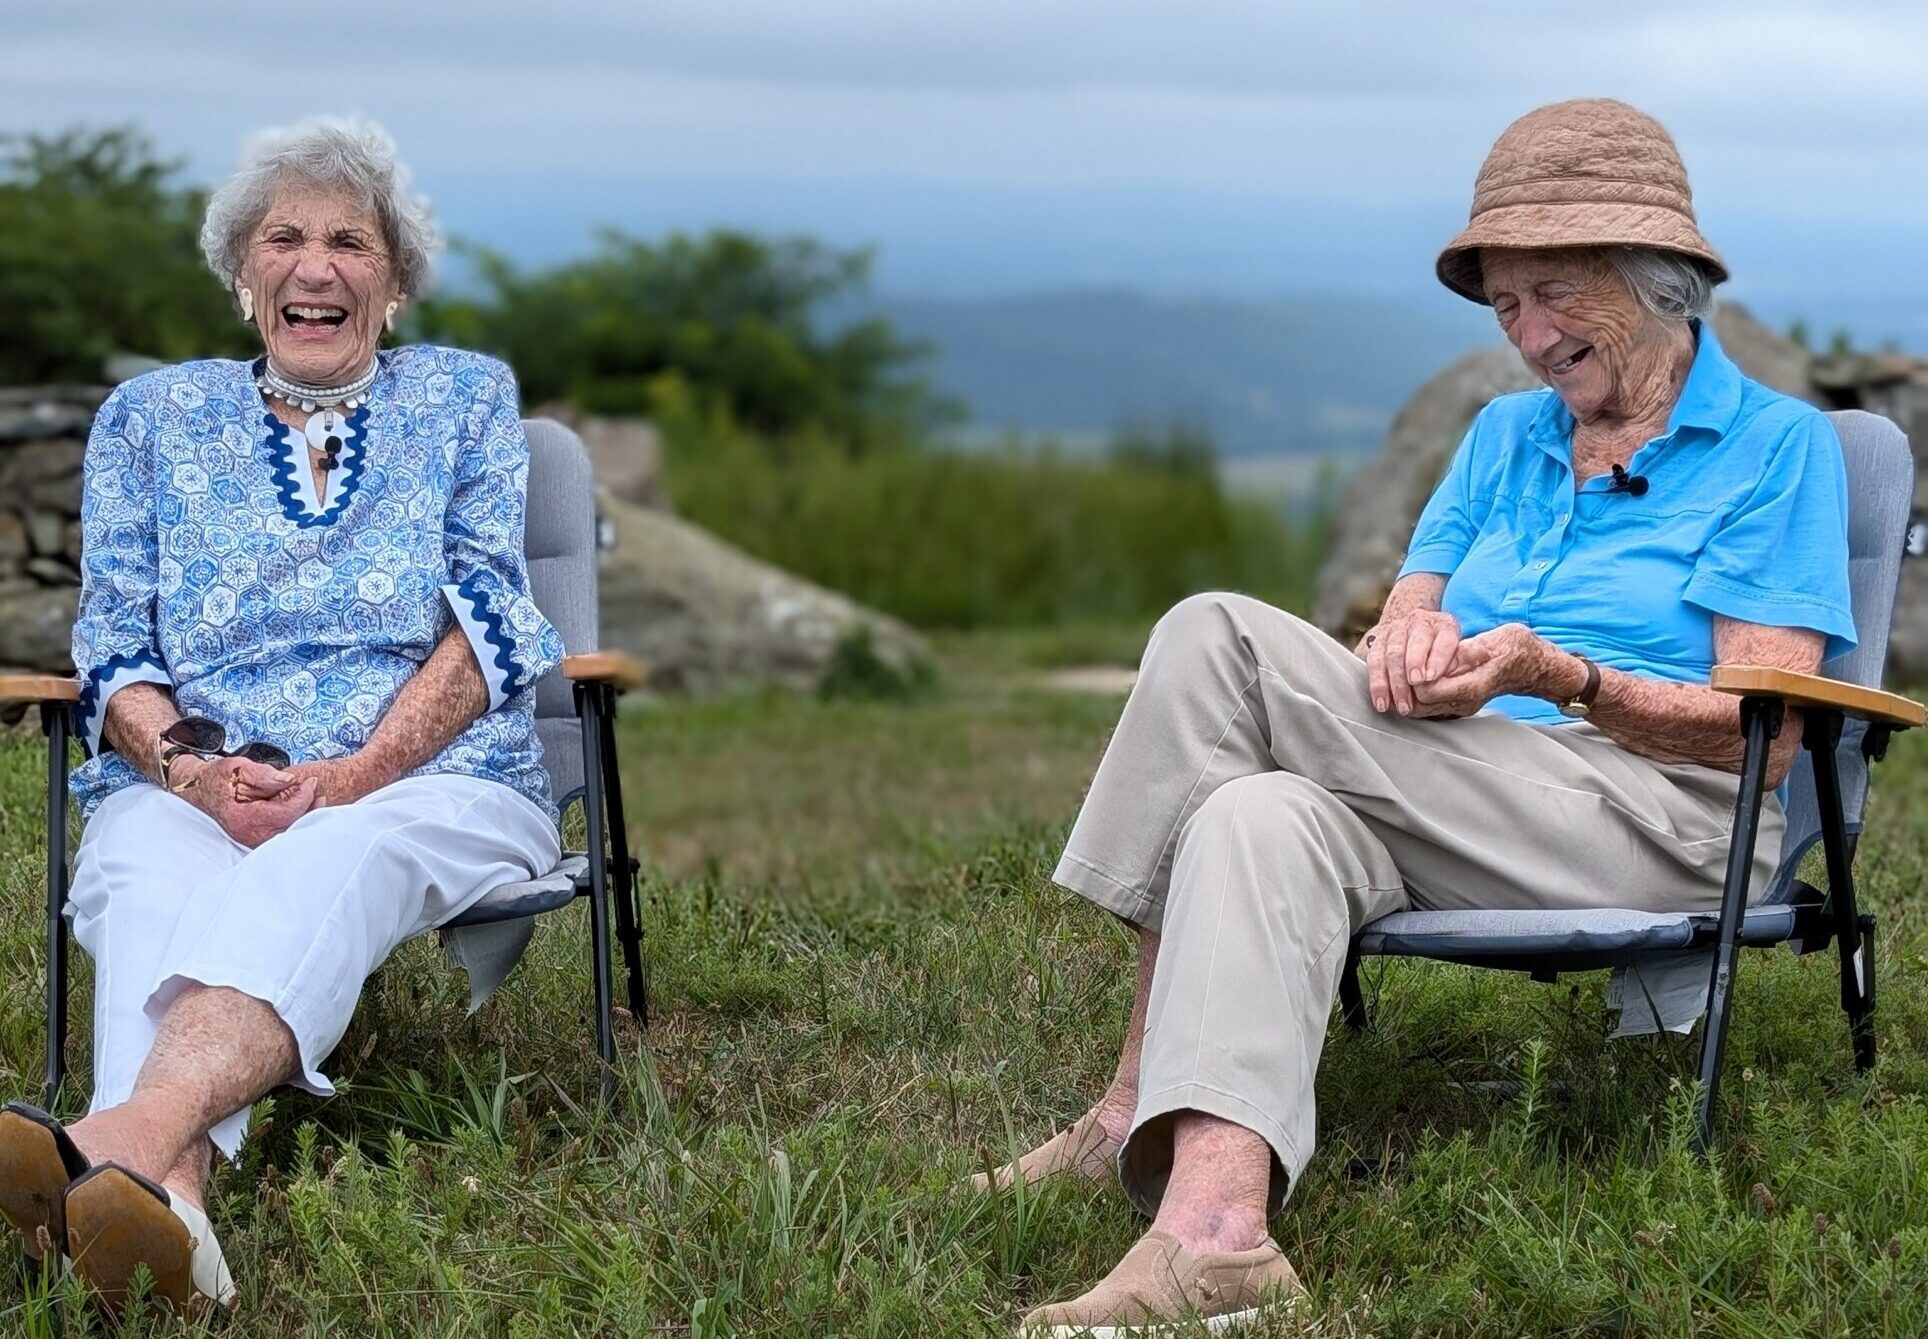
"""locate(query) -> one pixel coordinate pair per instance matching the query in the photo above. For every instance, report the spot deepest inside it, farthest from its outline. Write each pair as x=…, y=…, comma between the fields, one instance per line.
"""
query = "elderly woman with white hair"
x=1528, y=725
x=308, y=655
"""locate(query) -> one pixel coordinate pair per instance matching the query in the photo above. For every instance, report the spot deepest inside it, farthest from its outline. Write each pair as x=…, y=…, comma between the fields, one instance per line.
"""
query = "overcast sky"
x=1225, y=146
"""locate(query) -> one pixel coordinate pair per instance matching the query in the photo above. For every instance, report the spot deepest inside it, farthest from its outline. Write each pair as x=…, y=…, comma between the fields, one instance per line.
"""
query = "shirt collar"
x=1709, y=400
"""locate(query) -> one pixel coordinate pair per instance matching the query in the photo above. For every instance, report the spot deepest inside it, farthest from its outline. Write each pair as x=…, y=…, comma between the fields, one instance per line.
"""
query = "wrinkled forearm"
x=1420, y=592
x=1684, y=722
x=438, y=702
x=135, y=717
x=1668, y=722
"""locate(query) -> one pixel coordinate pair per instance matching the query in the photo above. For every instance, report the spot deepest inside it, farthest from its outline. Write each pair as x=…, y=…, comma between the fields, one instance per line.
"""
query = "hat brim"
x=1578, y=223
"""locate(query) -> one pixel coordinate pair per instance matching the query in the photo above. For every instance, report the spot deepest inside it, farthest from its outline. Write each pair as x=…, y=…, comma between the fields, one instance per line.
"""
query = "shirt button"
x=1564, y=517
x=1540, y=566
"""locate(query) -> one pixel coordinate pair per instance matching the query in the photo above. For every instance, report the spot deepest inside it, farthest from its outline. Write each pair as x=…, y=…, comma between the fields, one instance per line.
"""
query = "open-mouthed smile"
x=298, y=316
x=1570, y=362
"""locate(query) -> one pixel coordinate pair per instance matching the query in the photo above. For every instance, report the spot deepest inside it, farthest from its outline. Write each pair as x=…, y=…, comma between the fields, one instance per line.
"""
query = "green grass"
x=866, y=985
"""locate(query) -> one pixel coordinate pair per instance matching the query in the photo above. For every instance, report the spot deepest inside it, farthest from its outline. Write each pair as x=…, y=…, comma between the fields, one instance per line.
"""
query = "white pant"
x=163, y=898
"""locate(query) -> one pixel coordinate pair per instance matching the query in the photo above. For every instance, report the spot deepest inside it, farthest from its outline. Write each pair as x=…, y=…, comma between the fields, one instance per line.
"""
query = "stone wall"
x=43, y=431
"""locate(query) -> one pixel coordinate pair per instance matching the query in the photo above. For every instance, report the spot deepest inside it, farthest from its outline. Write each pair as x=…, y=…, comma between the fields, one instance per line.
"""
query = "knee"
x=1263, y=825
x=1198, y=625
x=1276, y=804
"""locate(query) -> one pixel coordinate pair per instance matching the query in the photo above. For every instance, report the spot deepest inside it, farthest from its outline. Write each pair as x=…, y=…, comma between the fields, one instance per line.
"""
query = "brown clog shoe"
x=38, y=1160
x=119, y=1220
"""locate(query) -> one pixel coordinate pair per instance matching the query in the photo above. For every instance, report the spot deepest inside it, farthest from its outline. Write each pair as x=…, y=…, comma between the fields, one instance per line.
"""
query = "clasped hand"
x=253, y=802
x=1418, y=665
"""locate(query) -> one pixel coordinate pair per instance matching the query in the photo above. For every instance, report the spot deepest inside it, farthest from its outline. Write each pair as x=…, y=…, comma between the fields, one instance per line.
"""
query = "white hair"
x=355, y=157
x=1672, y=286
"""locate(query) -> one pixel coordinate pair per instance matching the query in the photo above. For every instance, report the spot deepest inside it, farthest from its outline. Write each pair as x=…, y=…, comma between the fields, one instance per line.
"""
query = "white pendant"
x=323, y=425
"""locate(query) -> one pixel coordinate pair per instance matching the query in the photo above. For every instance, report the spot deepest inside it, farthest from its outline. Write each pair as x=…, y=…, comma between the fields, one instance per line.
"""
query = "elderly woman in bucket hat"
x=1529, y=711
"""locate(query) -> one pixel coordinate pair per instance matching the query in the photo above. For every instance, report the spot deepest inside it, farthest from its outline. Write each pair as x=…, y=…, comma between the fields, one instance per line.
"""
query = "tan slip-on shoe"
x=1082, y=1149
x=37, y=1162
x=118, y=1220
x=1160, y=1286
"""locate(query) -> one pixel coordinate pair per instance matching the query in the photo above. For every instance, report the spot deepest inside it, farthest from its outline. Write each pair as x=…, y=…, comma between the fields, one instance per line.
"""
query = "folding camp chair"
x=575, y=719
x=1847, y=725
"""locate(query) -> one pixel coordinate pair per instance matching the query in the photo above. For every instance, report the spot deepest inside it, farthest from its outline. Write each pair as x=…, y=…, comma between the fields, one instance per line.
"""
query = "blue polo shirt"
x=1746, y=515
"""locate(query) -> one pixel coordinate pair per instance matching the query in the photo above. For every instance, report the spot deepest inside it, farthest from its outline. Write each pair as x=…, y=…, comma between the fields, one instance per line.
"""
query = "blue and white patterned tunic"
x=209, y=565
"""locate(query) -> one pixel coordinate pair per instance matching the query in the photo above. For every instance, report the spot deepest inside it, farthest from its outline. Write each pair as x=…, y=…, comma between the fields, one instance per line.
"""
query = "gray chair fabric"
x=559, y=539
x=1881, y=490
x=1881, y=483
x=530, y=897
x=1520, y=939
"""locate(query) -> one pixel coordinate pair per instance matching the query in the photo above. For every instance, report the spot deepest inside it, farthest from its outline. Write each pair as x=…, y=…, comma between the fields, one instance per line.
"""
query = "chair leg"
x=1760, y=723
x=53, y=722
x=1853, y=932
x=629, y=932
x=1352, y=1002
x=588, y=709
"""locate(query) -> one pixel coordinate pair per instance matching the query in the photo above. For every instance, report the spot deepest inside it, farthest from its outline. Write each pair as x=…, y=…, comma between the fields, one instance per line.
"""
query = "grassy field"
x=866, y=985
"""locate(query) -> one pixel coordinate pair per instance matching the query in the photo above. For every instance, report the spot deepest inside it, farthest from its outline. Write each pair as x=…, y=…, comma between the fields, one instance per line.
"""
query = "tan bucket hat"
x=1591, y=172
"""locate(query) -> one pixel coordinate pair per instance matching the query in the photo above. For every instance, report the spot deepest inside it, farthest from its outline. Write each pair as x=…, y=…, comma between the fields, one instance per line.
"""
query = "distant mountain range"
x=1290, y=375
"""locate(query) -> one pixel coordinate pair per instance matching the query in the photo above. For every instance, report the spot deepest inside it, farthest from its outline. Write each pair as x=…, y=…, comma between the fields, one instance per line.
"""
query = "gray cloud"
x=1270, y=122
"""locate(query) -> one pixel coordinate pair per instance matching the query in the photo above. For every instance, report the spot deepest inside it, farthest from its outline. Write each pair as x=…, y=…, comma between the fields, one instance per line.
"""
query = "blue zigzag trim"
x=90, y=694
x=495, y=635
x=289, y=492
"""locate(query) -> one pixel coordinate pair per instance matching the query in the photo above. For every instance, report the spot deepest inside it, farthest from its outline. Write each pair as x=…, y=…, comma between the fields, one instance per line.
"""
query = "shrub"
x=953, y=539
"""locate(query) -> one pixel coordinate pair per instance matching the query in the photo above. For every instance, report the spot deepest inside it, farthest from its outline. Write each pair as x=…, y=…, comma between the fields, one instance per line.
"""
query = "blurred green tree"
x=99, y=254
x=731, y=319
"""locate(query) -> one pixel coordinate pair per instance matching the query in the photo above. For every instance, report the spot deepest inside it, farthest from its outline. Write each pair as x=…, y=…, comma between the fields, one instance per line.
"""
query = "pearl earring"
x=247, y=302
x=389, y=320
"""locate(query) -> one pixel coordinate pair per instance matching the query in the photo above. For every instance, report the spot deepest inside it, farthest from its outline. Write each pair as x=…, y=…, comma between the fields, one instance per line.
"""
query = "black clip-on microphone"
x=1628, y=483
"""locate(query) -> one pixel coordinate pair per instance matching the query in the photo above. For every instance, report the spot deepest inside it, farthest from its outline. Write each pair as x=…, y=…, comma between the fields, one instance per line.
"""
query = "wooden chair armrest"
x=619, y=669
x=1811, y=690
x=38, y=688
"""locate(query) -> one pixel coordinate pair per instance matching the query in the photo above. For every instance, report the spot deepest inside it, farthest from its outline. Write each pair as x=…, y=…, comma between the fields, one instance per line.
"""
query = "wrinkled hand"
x=1405, y=652
x=251, y=801
x=337, y=780
x=1508, y=659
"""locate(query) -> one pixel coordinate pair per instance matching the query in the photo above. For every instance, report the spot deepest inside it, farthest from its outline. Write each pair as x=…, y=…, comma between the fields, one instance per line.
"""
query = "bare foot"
x=188, y=1181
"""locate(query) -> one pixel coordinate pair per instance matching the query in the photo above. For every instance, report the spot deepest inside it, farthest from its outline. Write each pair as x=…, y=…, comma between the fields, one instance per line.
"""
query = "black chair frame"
x=1819, y=919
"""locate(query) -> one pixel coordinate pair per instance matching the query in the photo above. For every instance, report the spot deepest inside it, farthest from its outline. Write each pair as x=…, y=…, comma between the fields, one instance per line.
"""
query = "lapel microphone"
x=1623, y=482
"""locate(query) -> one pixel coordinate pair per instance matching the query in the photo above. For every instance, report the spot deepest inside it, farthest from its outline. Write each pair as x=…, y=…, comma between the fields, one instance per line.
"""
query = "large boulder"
x=1381, y=504
x=1896, y=387
x=706, y=615
x=625, y=454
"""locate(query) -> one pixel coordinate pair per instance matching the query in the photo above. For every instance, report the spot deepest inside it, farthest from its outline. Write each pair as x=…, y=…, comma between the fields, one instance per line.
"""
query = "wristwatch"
x=1580, y=705
x=169, y=754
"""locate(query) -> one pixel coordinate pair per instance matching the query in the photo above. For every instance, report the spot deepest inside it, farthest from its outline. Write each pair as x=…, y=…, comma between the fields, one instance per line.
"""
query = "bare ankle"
x=112, y=1136
x=1214, y=1229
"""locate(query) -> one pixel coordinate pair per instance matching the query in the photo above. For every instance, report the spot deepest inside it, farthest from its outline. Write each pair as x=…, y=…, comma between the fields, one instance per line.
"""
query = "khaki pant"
x=1255, y=810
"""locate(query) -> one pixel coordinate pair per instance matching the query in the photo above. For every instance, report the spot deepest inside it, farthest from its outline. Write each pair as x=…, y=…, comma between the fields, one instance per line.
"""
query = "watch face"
x=1579, y=711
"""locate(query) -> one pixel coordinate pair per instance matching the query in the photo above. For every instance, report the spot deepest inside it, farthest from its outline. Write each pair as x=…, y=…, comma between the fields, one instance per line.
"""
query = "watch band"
x=170, y=753
x=1581, y=703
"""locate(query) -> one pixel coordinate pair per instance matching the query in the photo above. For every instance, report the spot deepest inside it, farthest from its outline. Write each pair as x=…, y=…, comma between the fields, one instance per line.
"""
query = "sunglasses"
x=208, y=739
